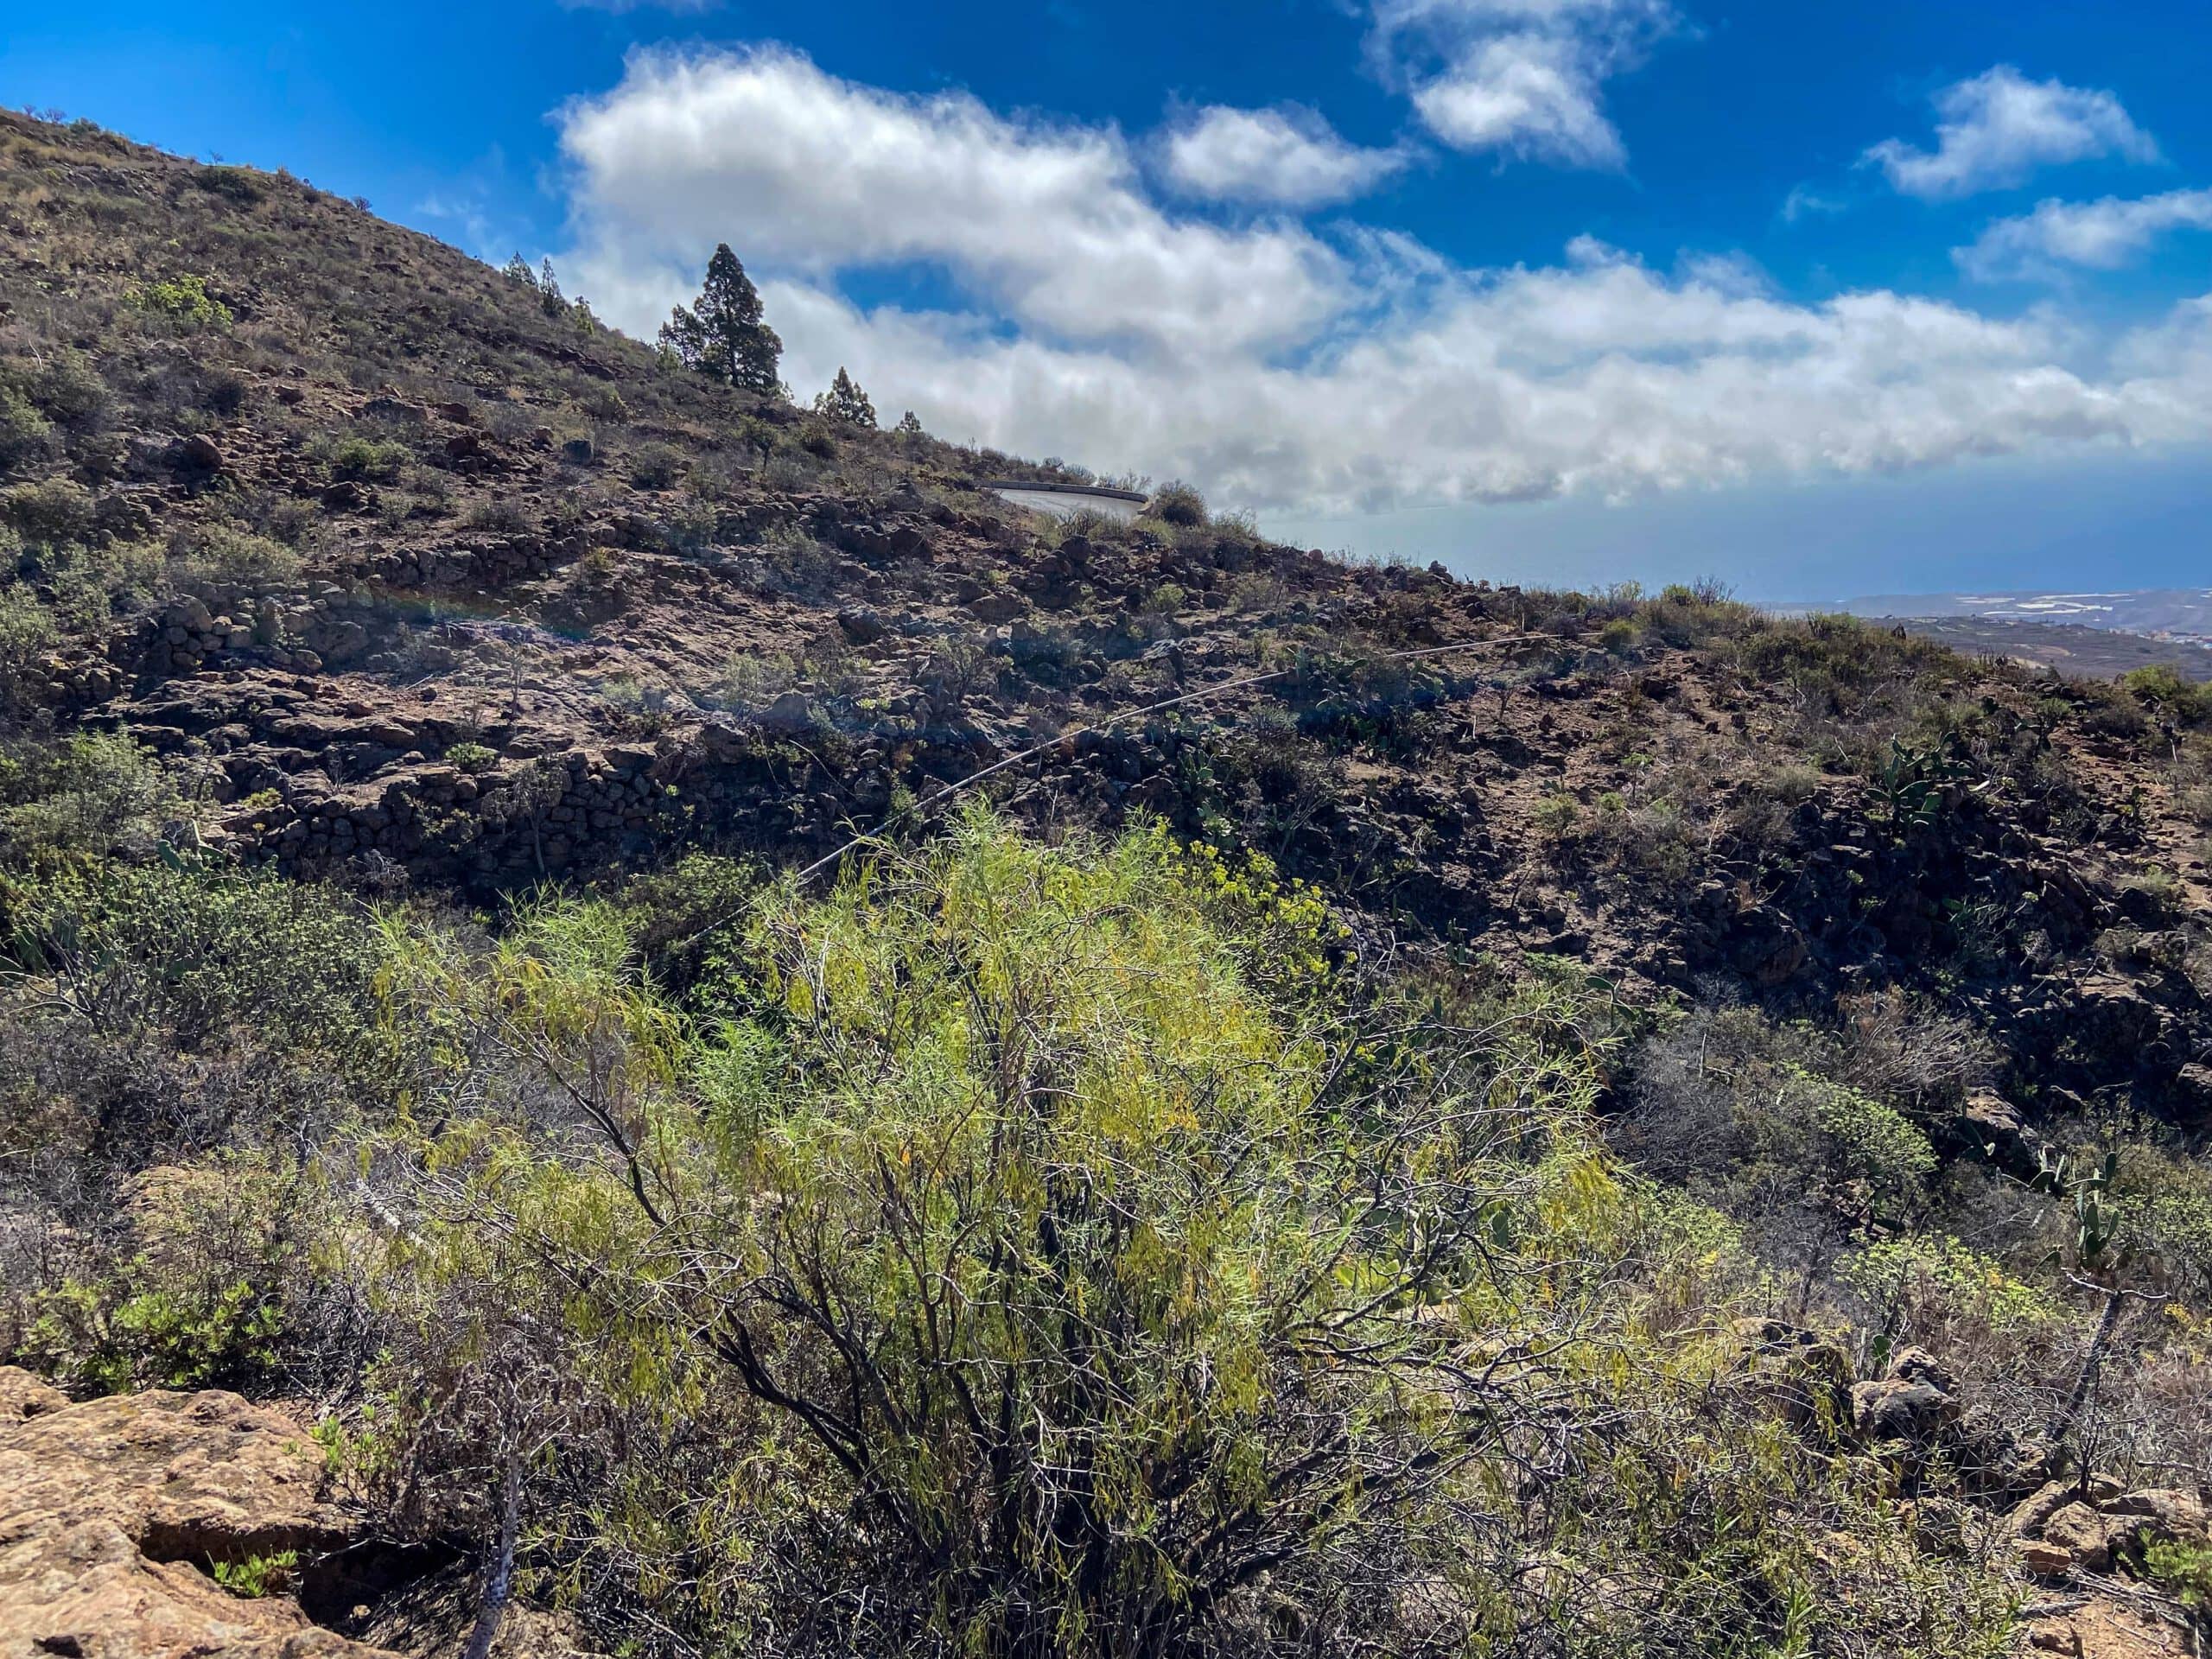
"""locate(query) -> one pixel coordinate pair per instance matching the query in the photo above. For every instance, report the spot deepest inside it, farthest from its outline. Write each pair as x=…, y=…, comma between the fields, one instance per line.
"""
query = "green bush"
x=1178, y=505
x=258, y=1575
x=2163, y=687
x=53, y=510
x=183, y=301
x=1094, y=1283
x=221, y=553
x=190, y=1296
x=203, y=952
x=373, y=460
x=25, y=434
x=657, y=466
x=239, y=184
x=2183, y=1570
x=472, y=757
x=95, y=791
x=26, y=634
x=1921, y=1282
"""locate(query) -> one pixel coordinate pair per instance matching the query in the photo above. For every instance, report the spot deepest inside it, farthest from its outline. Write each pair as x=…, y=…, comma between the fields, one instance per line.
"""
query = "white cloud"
x=1289, y=157
x=800, y=168
x=1523, y=77
x=1603, y=379
x=2103, y=235
x=1803, y=202
x=1279, y=371
x=1994, y=130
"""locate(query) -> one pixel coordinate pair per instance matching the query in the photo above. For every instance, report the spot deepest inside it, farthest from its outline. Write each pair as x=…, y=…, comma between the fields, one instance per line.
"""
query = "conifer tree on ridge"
x=722, y=336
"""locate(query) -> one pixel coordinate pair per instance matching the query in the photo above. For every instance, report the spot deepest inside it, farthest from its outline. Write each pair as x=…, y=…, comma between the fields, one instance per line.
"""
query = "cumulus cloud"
x=1523, y=77
x=2102, y=235
x=1286, y=157
x=1600, y=377
x=1282, y=372
x=807, y=170
x=1996, y=130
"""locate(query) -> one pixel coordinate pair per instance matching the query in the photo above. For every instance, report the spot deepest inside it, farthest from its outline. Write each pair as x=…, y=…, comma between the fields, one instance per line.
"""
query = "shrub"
x=2183, y=1570
x=1016, y=1178
x=53, y=510
x=189, y=1303
x=203, y=953
x=238, y=184
x=1179, y=505
x=183, y=301
x=2162, y=687
x=26, y=634
x=657, y=466
x=1920, y=1283
x=501, y=515
x=25, y=434
x=259, y=1575
x=472, y=757
x=378, y=462
x=221, y=553
x=96, y=791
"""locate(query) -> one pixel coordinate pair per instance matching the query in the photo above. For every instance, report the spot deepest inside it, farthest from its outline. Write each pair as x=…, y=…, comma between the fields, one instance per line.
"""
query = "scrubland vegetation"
x=1546, y=1124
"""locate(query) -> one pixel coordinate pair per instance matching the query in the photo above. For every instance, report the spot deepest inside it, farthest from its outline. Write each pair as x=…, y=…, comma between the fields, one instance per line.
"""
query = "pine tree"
x=723, y=336
x=846, y=402
x=910, y=425
x=549, y=285
x=519, y=270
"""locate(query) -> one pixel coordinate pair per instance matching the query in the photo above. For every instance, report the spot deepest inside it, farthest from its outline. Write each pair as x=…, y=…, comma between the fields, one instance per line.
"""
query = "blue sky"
x=1823, y=300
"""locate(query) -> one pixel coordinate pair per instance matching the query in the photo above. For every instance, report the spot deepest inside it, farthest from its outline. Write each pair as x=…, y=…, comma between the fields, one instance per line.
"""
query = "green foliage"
x=378, y=460
x=200, y=951
x=259, y=1575
x=2097, y=1224
x=472, y=757
x=53, y=510
x=2162, y=688
x=1915, y=785
x=182, y=300
x=1179, y=505
x=656, y=467
x=1869, y=1149
x=722, y=335
x=846, y=403
x=223, y=553
x=1920, y=1281
x=191, y=1302
x=1076, y=1265
x=26, y=634
x=25, y=434
x=94, y=791
x=2183, y=1570
x=240, y=184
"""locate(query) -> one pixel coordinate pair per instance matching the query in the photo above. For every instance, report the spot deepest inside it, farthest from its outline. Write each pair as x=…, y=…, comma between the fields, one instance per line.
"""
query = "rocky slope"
x=399, y=576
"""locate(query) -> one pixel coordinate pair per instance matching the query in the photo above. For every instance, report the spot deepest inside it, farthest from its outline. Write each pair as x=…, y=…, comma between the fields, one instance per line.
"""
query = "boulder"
x=2090, y=1536
x=1912, y=1401
x=861, y=626
x=23, y=1396
x=114, y=1515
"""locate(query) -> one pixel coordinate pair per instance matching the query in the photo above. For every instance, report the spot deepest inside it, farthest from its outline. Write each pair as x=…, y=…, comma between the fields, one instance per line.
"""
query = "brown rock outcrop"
x=112, y=1514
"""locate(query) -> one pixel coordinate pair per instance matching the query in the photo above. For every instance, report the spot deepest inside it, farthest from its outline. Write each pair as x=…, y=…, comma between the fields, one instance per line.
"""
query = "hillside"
x=503, y=962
